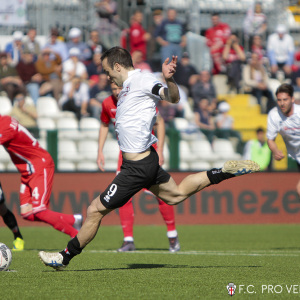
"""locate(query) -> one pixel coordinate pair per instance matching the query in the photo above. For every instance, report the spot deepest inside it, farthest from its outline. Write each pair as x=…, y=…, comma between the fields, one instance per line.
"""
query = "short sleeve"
x=8, y=129
x=272, y=128
x=151, y=85
x=104, y=117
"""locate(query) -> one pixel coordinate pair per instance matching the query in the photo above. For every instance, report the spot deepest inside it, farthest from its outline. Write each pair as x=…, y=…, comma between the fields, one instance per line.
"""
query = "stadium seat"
x=224, y=149
x=4, y=156
x=43, y=143
x=89, y=128
x=2, y=167
x=66, y=166
x=203, y=150
x=45, y=124
x=111, y=165
x=11, y=167
x=220, y=83
x=67, y=150
x=185, y=153
x=68, y=129
x=87, y=166
x=5, y=105
x=47, y=107
x=111, y=149
x=200, y=165
x=184, y=166
x=88, y=149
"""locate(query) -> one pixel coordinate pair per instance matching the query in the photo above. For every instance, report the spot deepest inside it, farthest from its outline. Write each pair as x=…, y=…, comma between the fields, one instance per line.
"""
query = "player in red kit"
x=216, y=37
x=37, y=169
x=126, y=212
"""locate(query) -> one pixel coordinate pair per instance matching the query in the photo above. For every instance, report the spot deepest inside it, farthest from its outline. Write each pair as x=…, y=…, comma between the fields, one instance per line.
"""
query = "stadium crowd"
x=68, y=67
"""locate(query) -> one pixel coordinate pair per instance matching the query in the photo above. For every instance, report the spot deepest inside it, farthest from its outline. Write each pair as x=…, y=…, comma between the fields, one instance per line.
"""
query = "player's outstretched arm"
x=170, y=94
x=102, y=138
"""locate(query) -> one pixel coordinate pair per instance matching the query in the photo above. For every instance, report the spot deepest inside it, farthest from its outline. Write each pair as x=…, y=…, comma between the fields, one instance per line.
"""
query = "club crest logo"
x=231, y=287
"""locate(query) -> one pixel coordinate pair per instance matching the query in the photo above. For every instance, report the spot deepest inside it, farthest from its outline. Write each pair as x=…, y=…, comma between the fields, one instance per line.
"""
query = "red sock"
x=60, y=222
x=127, y=218
x=167, y=212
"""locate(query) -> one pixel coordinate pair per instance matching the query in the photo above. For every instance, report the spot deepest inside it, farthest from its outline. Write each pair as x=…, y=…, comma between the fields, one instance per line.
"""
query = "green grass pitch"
x=211, y=256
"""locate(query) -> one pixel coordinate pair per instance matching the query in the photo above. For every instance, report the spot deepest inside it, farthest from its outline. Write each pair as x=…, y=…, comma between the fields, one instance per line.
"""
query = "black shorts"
x=134, y=176
x=2, y=199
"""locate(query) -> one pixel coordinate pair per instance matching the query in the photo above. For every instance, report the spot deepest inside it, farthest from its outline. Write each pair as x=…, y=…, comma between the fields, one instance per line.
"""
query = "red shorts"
x=35, y=190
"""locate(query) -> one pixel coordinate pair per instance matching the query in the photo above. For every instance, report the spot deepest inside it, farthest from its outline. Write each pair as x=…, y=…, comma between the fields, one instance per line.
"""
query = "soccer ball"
x=5, y=257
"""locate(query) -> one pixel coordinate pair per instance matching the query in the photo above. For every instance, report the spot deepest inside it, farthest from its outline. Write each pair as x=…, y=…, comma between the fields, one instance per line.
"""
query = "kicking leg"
x=172, y=194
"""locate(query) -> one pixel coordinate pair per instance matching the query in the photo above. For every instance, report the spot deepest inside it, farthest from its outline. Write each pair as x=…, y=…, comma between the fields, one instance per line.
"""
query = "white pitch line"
x=212, y=253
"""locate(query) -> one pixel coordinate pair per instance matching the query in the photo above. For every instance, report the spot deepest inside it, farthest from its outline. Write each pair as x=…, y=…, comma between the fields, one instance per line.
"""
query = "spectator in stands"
x=258, y=150
x=50, y=69
x=94, y=43
x=138, y=36
x=75, y=97
x=256, y=79
x=204, y=119
x=234, y=56
x=171, y=36
x=216, y=37
x=15, y=48
x=108, y=22
x=74, y=67
x=296, y=80
x=204, y=88
x=186, y=75
x=98, y=93
x=153, y=45
x=57, y=45
x=94, y=69
x=281, y=51
x=31, y=44
x=24, y=113
x=138, y=61
x=255, y=23
x=257, y=47
x=224, y=124
x=167, y=112
x=85, y=53
x=28, y=73
x=10, y=81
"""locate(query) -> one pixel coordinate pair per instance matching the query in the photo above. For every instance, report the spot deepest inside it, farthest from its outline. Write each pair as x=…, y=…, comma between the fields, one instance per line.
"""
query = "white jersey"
x=288, y=127
x=136, y=112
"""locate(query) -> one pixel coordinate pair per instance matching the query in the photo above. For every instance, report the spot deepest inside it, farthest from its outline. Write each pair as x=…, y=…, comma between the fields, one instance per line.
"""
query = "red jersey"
x=109, y=109
x=136, y=39
x=23, y=148
x=217, y=35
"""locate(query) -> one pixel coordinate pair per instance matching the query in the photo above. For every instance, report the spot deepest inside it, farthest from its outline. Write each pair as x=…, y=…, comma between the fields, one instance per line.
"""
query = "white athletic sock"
x=172, y=233
x=128, y=239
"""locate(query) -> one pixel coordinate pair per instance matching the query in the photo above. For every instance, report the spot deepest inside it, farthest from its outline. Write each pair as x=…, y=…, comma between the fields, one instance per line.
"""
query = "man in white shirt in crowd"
x=281, y=51
x=285, y=119
x=135, y=117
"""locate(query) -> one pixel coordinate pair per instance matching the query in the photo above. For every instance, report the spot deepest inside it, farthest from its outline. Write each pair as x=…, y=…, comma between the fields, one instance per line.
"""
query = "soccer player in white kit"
x=285, y=119
x=135, y=117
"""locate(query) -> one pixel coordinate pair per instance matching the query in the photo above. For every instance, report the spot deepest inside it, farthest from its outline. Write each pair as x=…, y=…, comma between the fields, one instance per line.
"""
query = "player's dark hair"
x=215, y=14
x=285, y=88
x=118, y=55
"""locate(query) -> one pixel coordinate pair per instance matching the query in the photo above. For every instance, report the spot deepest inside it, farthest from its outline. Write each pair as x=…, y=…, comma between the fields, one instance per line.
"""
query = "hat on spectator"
x=223, y=107
x=18, y=35
x=281, y=29
x=74, y=33
x=74, y=52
